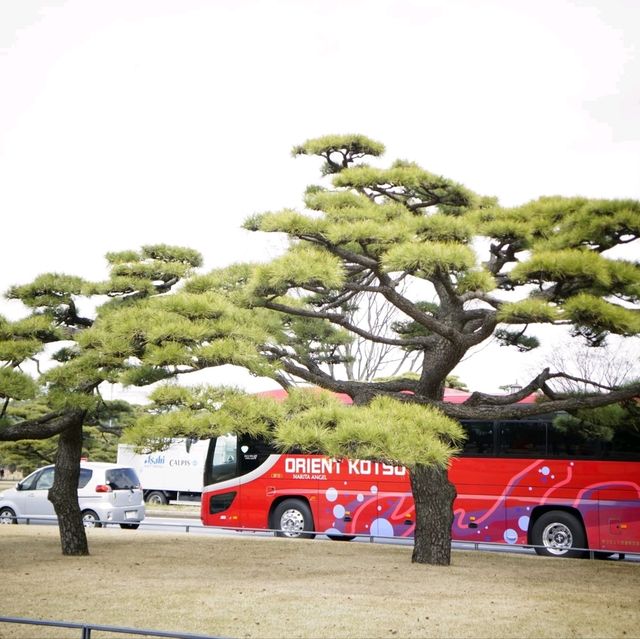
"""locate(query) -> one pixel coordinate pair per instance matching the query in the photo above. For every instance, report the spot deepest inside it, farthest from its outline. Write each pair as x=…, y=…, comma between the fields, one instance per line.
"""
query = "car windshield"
x=122, y=479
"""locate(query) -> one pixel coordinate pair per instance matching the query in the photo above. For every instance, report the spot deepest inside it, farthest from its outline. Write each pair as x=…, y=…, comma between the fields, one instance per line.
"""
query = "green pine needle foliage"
x=236, y=352
x=545, y=266
x=443, y=228
x=385, y=430
x=47, y=290
x=122, y=257
x=424, y=259
x=16, y=351
x=523, y=343
x=16, y=385
x=476, y=280
x=596, y=313
x=204, y=306
x=166, y=253
x=202, y=412
x=308, y=420
x=143, y=375
x=353, y=143
x=230, y=282
x=368, y=232
x=39, y=326
x=301, y=266
x=409, y=176
x=287, y=221
x=318, y=199
x=529, y=311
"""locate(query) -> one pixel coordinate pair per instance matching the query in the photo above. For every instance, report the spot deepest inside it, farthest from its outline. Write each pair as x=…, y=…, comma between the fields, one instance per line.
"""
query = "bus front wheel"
x=292, y=518
x=558, y=534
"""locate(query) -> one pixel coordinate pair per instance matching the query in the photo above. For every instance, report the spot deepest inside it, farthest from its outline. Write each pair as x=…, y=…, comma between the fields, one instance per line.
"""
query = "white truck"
x=174, y=474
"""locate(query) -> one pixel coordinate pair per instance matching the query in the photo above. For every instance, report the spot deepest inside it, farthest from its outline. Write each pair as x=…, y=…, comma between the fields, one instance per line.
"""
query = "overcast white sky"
x=132, y=122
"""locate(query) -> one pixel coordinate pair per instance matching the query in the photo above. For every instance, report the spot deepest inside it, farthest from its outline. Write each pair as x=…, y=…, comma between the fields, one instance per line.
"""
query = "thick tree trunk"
x=433, y=495
x=64, y=492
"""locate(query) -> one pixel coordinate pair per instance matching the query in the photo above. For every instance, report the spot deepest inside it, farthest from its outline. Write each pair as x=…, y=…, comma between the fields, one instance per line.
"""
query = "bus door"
x=618, y=516
x=618, y=492
x=222, y=504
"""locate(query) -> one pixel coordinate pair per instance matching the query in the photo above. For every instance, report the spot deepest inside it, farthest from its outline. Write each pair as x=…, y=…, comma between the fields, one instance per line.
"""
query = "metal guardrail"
x=87, y=628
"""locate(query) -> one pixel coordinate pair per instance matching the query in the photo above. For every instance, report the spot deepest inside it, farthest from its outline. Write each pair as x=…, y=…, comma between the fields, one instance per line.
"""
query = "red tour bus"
x=521, y=482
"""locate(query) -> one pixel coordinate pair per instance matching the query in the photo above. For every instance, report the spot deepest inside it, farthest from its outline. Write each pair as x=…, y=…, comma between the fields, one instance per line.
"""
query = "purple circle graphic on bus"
x=374, y=489
x=381, y=528
x=360, y=497
x=523, y=523
x=544, y=470
x=332, y=494
x=510, y=536
x=338, y=511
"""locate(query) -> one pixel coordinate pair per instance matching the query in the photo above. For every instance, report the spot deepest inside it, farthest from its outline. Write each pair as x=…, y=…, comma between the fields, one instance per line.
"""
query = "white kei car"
x=107, y=493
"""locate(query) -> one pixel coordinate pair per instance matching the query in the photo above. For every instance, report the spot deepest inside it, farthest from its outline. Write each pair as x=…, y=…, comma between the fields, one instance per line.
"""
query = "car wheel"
x=157, y=498
x=7, y=516
x=558, y=534
x=130, y=526
x=293, y=519
x=90, y=519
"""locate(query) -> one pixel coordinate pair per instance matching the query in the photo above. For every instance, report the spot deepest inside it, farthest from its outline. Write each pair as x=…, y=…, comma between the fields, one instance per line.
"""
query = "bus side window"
x=522, y=439
x=222, y=465
x=571, y=443
x=253, y=453
x=625, y=444
x=479, y=440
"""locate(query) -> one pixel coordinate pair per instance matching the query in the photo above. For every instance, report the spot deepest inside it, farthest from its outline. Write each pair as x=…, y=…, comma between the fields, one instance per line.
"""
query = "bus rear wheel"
x=558, y=534
x=293, y=519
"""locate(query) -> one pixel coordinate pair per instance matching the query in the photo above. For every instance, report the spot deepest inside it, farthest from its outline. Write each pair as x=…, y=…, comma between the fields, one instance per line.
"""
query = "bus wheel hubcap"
x=292, y=522
x=557, y=538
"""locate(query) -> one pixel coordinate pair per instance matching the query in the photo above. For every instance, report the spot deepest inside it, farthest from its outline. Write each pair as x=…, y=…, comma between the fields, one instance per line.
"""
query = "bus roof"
x=451, y=395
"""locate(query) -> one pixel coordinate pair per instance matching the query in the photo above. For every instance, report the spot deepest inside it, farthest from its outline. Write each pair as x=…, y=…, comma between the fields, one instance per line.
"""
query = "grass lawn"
x=249, y=586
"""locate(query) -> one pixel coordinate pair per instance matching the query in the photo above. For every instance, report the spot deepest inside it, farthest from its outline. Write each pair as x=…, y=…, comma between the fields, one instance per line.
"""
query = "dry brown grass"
x=264, y=587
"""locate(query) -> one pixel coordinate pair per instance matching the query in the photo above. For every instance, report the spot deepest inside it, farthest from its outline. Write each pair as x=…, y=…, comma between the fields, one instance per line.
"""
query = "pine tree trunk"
x=433, y=495
x=64, y=492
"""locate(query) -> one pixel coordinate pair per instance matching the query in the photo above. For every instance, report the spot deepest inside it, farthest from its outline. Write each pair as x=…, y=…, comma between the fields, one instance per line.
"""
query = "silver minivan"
x=107, y=493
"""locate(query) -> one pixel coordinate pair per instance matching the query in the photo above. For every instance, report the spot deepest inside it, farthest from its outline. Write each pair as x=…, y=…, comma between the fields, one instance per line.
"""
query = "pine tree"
x=414, y=239
x=65, y=399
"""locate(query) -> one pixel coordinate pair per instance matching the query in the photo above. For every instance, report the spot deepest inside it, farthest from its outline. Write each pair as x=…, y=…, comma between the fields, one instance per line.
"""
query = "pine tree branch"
x=518, y=411
x=41, y=427
x=342, y=321
x=409, y=308
x=309, y=371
